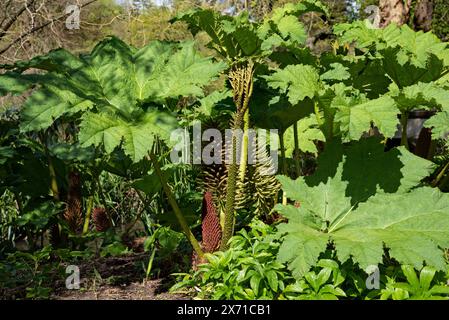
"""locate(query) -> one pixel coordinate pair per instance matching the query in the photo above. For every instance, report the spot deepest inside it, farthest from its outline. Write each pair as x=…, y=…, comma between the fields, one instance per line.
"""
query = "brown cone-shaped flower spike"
x=73, y=212
x=211, y=228
x=101, y=219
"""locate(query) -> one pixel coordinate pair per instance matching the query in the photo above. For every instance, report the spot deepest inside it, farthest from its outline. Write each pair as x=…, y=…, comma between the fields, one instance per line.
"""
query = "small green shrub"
x=248, y=270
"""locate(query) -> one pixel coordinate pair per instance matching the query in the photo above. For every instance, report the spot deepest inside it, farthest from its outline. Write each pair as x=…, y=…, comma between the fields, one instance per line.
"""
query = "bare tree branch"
x=10, y=22
x=5, y=9
x=39, y=27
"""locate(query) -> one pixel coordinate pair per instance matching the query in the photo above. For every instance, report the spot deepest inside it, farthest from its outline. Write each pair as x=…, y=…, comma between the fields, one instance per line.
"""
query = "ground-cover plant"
x=248, y=270
x=423, y=286
x=323, y=285
x=252, y=269
x=33, y=275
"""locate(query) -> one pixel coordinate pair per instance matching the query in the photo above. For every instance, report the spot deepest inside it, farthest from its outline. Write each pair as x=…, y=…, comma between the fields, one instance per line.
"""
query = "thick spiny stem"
x=244, y=153
x=241, y=79
x=228, y=228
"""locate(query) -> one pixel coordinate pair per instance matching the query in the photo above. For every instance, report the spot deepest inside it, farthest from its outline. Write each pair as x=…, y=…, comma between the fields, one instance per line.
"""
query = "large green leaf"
x=421, y=95
x=136, y=137
x=394, y=171
x=408, y=57
x=294, y=55
x=350, y=111
x=239, y=37
x=49, y=103
x=56, y=60
x=210, y=105
x=337, y=207
x=414, y=47
x=308, y=133
x=439, y=124
x=110, y=69
x=283, y=27
x=231, y=37
x=121, y=91
x=297, y=81
x=16, y=83
x=355, y=116
x=116, y=76
x=282, y=113
x=71, y=152
x=150, y=184
x=361, y=72
x=298, y=9
x=182, y=75
x=337, y=72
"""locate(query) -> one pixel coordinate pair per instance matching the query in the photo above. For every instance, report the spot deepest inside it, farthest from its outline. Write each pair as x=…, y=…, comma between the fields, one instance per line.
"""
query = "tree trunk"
x=423, y=15
x=394, y=11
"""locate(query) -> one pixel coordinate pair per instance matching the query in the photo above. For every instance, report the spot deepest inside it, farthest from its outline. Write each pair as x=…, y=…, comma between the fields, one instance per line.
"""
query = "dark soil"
x=116, y=278
x=146, y=290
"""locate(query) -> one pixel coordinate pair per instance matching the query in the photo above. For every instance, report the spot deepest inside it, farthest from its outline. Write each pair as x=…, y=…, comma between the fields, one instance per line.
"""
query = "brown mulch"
x=116, y=278
x=146, y=290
